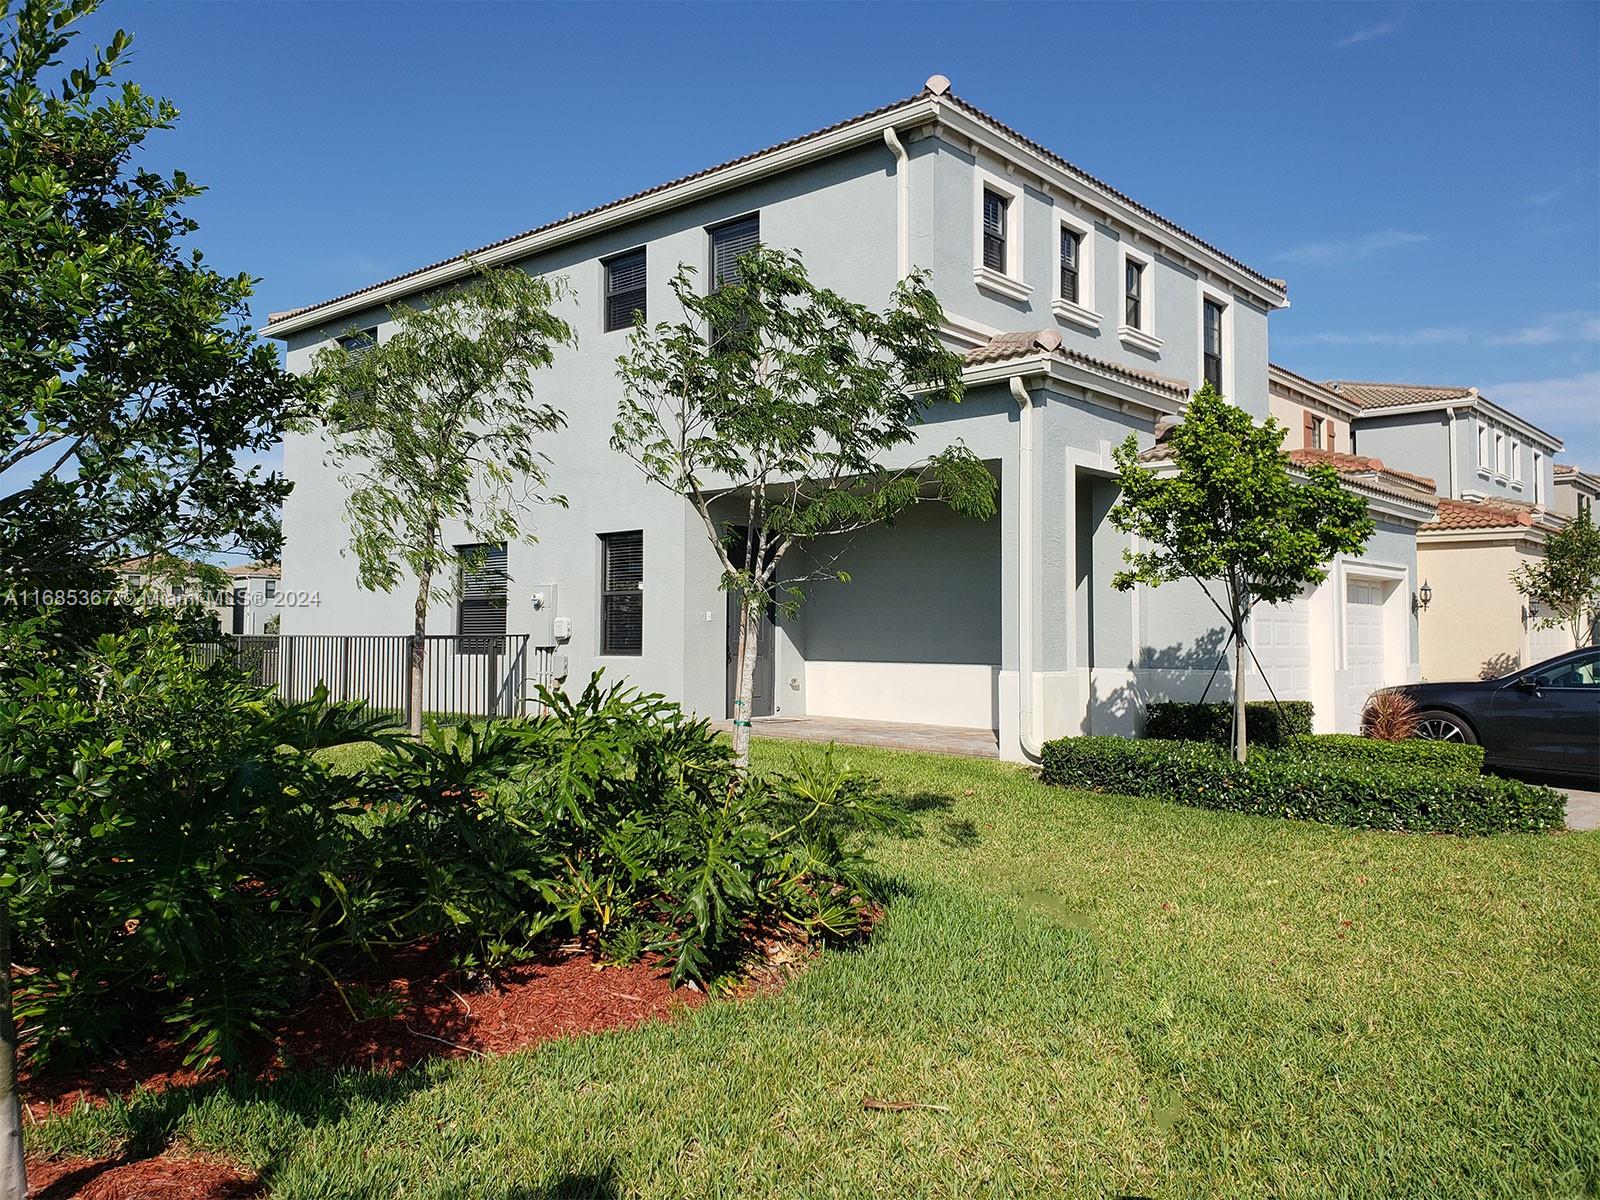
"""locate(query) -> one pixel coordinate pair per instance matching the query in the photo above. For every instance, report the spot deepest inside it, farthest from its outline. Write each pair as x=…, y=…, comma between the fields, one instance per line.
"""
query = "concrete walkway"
x=1583, y=809
x=893, y=735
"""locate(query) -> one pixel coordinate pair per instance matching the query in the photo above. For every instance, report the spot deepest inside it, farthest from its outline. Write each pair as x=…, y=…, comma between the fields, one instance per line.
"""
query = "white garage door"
x=1280, y=634
x=1366, y=668
x=1546, y=643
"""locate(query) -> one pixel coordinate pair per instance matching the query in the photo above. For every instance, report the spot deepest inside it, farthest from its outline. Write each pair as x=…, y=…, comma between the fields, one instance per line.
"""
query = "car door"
x=1548, y=718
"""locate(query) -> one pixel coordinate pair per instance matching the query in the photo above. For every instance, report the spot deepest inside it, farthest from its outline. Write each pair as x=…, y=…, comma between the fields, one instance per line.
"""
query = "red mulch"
x=165, y=1177
x=563, y=993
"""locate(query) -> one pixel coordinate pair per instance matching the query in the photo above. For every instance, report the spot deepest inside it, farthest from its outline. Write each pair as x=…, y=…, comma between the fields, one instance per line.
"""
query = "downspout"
x=1450, y=414
x=1027, y=733
x=902, y=188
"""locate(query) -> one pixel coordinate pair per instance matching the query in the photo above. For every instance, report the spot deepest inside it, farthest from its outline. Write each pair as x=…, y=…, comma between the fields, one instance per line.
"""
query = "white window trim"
x=1143, y=335
x=1083, y=312
x=1483, y=446
x=1210, y=293
x=1538, y=477
x=1008, y=283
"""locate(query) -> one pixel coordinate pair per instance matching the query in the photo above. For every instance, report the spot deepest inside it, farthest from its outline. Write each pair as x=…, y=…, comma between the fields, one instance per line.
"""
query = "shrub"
x=1365, y=792
x=1389, y=716
x=1268, y=723
x=1418, y=752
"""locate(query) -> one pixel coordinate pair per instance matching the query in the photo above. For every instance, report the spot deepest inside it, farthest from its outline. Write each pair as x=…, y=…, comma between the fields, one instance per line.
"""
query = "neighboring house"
x=1084, y=317
x=1495, y=476
x=246, y=604
x=1575, y=490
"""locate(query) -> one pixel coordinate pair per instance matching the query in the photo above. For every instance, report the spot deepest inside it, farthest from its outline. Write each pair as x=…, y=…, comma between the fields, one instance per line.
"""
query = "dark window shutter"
x=1310, y=424
x=994, y=231
x=622, y=593
x=728, y=244
x=484, y=580
x=625, y=289
x=1331, y=446
x=1069, y=266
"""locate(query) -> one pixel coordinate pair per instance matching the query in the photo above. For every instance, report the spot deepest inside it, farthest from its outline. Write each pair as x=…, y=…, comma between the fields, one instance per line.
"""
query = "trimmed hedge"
x=1417, y=752
x=1265, y=724
x=1362, y=792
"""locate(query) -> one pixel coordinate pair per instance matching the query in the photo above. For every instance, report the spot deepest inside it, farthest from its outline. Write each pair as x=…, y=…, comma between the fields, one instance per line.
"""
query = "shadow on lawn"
x=596, y=1185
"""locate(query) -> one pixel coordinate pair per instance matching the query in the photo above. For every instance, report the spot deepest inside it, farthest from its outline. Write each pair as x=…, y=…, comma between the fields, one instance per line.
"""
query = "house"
x=1495, y=479
x=1573, y=490
x=246, y=602
x=1084, y=317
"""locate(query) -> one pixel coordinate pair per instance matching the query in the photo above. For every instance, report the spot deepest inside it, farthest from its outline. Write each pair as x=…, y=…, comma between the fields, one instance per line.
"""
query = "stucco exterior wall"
x=1473, y=628
x=1291, y=415
x=1421, y=442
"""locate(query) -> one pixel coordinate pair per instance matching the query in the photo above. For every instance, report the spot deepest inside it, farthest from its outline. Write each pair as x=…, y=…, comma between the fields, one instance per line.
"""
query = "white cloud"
x=1438, y=336
x=1328, y=254
x=1544, y=199
x=1559, y=328
x=1369, y=33
x=1563, y=327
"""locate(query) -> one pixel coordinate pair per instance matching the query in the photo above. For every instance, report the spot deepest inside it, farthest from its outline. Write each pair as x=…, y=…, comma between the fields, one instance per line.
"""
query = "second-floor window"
x=1314, y=431
x=1212, y=356
x=357, y=344
x=1538, y=481
x=1071, y=245
x=1516, y=460
x=1499, y=453
x=624, y=289
x=729, y=243
x=481, y=615
x=1133, y=294
x=995, y=214
x=622, y=592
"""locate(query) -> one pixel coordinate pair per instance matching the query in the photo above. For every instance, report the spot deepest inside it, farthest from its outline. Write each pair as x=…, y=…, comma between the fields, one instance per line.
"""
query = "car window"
x=1577, y=672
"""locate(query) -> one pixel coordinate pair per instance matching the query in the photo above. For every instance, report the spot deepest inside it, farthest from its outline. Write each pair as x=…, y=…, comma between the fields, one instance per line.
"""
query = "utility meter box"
x=542, y=615
x=563, y=629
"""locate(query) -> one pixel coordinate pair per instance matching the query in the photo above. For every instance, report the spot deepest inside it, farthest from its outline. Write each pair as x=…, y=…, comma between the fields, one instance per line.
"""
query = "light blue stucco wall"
x=1420, y=442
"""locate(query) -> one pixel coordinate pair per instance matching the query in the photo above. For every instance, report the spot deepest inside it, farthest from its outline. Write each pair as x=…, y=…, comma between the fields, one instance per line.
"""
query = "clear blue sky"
x=1426, y=176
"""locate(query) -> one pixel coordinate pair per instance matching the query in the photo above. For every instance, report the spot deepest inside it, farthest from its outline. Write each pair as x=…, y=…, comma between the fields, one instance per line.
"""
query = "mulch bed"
x=423, y=1010
x=166, y=1177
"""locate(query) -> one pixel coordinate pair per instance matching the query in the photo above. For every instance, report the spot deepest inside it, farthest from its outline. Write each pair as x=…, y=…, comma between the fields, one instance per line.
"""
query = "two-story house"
x=1494, y=476
x=1084, y=317
x=1573, y=490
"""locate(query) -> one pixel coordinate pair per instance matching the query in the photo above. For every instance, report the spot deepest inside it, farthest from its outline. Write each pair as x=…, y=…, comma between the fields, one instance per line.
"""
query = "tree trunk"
x=744, y=693
x=13, y=1171
x=1238, y=691
x=419, y=653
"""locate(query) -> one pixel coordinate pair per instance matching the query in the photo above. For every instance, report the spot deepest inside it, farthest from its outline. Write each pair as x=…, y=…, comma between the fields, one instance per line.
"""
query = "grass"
x=1095, y=996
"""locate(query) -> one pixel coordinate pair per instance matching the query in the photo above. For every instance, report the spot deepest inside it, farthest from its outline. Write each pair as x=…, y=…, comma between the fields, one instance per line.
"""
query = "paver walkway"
x=1583, y=809
x=894, y=735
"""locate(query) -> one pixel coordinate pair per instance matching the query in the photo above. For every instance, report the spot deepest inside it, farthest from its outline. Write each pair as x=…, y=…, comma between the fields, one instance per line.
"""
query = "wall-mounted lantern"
x=1421, y=598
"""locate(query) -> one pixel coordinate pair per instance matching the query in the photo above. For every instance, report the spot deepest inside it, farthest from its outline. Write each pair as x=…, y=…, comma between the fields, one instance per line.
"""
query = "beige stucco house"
x=1575, y=490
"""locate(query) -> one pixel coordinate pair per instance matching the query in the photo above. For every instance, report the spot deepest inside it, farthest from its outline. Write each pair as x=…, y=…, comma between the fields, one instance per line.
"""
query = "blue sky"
x=1426, y=176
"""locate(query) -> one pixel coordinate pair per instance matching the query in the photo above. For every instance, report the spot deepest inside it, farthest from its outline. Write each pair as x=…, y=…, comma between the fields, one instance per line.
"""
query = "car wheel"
x=1438, y=726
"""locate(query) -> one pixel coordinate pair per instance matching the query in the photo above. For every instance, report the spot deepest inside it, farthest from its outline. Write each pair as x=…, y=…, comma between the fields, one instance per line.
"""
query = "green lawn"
x=1103, y=997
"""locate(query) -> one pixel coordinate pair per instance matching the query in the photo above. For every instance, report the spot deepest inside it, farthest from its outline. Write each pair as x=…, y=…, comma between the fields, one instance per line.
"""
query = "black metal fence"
x=461, y=676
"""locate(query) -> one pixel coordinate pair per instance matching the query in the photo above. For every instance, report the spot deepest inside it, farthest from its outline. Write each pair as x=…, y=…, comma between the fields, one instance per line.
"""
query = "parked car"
x=1544, y=718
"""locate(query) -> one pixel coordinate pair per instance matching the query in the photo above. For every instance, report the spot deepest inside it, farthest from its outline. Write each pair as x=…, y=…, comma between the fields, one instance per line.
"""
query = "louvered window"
x=1070, y=245
x=994, y=230
x=1213, y=347
x=624, y=290
x=622, y=593
x=728, y=244
x=482, y=615
x=1133, y=291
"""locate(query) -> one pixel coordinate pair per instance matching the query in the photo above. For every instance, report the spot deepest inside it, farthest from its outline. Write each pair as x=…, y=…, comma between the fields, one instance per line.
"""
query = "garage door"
x=1280, y=635
x=1364, y=649
x=1547, y=643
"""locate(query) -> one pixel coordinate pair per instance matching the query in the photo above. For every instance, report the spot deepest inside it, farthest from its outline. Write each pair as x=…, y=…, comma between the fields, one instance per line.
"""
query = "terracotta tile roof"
x=1488, y=516
x=973, y=111
x=270, y=570
x=1358, y=464
x=1312, y=388
x=1392, y=395
x=1030, y=343
x=1564, y=468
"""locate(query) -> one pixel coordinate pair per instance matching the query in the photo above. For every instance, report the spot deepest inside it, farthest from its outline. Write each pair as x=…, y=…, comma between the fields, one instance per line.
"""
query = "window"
x=1499, y=452
x=358, y=343
x=482, y=612
x=622, y=592
x=1314, y=430
x=1581, y=672
x=1538, y=480
x=995, y=211
x=624, y=289
x=1516, y=460
x=729, y=243
x=1133, y=293
x=1071, y=243
x=1212, y=356
x=238, y=610
x=1483, y=444
x=271, y=590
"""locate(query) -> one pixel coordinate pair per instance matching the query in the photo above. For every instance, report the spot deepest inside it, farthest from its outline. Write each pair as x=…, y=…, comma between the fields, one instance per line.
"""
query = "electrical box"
x=558, y=667
x=561, y=629
x=542, y=614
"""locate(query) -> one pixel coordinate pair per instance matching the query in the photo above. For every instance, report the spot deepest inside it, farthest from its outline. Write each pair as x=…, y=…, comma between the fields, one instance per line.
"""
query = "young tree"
x=438, y=422
x=786, y=398
x=1231, y=514
x=132, y=392
x=1566, y=581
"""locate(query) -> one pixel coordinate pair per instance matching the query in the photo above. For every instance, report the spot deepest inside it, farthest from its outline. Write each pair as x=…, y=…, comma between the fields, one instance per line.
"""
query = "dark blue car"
x=1544, y=718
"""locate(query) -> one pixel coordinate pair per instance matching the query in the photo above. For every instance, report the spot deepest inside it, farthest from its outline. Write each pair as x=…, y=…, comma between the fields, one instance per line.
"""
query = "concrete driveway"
x=1583, y=809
